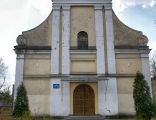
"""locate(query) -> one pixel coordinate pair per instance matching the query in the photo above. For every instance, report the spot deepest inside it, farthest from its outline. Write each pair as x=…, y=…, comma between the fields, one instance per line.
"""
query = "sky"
x=17, y=16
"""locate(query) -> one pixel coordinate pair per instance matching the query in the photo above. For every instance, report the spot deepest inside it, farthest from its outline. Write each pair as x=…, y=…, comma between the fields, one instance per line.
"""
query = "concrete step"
x=85, y=118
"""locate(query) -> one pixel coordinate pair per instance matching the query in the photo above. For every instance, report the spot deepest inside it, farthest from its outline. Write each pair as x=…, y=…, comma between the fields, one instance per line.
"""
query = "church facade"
x=81, y=61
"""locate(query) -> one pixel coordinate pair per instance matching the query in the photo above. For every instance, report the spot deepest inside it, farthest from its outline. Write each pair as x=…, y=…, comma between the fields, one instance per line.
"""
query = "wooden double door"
x=84, y=101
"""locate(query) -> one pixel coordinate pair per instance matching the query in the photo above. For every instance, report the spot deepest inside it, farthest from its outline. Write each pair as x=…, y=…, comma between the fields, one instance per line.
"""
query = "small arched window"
x=82, y=38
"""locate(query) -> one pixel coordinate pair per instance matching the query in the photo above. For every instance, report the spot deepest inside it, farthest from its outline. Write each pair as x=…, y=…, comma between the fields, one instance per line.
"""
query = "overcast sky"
x=22, y=15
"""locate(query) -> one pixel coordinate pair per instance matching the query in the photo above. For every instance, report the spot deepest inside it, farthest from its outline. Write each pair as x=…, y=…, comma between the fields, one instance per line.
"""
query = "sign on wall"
x=56, y=86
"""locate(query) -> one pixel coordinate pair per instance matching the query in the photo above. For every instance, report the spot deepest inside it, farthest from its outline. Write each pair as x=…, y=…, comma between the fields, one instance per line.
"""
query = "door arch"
x=83, y=100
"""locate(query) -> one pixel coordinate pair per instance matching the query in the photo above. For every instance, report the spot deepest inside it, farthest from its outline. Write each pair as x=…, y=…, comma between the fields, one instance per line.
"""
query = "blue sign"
x=56, y=86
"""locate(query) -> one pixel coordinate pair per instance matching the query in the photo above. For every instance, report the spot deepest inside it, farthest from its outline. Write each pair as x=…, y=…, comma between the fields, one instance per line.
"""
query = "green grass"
x=7, y=115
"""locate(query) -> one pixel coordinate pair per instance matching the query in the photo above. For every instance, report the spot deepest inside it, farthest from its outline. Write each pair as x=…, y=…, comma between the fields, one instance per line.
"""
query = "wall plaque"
x=56, y=86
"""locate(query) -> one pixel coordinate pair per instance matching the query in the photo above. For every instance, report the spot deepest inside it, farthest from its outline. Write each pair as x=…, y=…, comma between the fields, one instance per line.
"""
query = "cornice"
x=66, y=7
x=81, y=2
x=98, y=7
x=56, y=7
x=132, y=50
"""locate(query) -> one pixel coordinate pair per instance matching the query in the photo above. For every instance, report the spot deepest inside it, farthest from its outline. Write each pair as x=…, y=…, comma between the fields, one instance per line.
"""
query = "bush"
x=5, y=97
x=144, y=105
x=21, y=107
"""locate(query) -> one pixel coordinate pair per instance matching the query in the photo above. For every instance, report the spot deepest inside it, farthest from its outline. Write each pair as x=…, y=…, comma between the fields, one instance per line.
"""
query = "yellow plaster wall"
x=82, y=19
x=37, y=65
x=128, y=64
x=125, y=95
x=37, y=86
x=83, y=66
x=39, y=104
x=83, y=56
x=94, y=87
x=38, y=91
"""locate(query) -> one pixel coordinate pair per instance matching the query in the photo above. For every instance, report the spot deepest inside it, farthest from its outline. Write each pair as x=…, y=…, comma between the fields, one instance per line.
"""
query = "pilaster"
x=56, y=97
x=111, y=98
x=110, y=40
x=19, y=72
x=100, y=39
x=146, y=69
x=66, y=59
x=66, y=98
x=101, y=97
x=55, y=40
x=55, y=101
x=66, y=40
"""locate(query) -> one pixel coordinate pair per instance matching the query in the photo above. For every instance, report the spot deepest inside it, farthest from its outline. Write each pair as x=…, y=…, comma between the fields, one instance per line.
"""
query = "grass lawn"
x=7, y=115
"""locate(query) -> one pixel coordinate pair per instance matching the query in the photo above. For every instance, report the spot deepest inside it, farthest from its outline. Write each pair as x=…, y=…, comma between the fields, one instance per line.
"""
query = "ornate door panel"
x=84, y=100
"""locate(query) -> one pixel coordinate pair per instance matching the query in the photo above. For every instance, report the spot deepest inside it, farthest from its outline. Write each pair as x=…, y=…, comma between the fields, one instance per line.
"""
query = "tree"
x=3, y=72
x=6, y=97
x=142, y=98
x=21, y=106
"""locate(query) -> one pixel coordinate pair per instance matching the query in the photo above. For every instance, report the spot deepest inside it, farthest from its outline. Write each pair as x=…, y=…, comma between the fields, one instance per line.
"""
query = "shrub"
x=144, y=105
x=21, y=106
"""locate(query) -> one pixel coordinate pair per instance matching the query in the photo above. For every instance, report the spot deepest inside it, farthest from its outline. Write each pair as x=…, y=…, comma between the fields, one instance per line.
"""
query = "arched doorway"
x=84, y=100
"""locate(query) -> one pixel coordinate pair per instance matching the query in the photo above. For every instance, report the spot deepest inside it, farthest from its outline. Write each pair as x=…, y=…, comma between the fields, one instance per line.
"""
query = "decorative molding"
x=77, y=49
x=83, y=51
x=32, y=47
x=37, y=76
x=144, y=50
x=133, y=50
x=21, y=40
x=131, y=47
x=56, y=7
x=143, y=40
x=38, y=52
x=108, y=6
x=98, y=7
x=20, y=56
x=80, y=77
x=66, y=7
x=145, y=56
x=75, y=2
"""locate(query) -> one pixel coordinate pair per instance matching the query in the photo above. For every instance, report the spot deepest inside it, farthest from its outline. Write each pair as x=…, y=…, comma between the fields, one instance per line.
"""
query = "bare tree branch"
x=3, y=73
x=1, y=85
